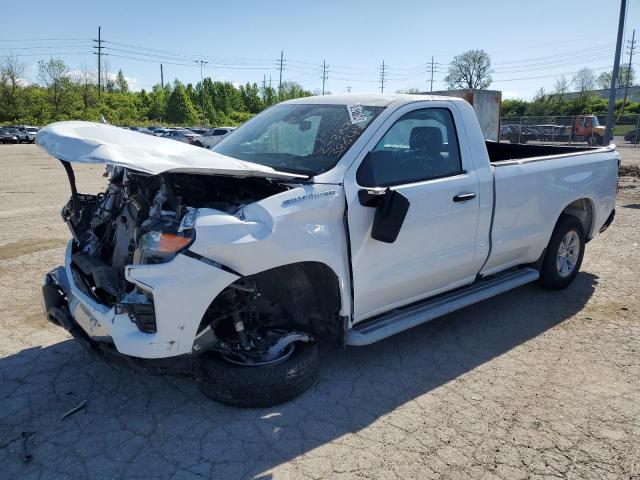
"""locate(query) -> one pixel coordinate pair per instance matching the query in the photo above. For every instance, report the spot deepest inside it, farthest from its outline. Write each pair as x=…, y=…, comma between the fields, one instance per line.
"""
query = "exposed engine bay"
x=145, y=219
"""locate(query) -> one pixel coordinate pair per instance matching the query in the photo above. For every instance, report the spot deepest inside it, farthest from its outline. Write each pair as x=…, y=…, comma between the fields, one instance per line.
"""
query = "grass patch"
x=622, y=129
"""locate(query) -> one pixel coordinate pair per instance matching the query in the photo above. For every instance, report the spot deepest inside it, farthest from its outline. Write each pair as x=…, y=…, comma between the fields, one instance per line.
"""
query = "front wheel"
x=234, y=383
x=564, y=254
x=594, y=140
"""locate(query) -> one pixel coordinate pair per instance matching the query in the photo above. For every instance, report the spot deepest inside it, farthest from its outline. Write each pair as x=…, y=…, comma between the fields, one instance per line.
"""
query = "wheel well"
x=582, y=209
x=306, y=294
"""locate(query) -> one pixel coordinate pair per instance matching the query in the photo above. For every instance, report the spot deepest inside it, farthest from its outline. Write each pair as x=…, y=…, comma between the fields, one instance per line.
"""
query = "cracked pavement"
x=530, y=384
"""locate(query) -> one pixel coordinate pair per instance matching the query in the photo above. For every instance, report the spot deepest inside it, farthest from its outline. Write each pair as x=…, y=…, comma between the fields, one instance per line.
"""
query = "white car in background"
x=26, y=133
x=213, y=136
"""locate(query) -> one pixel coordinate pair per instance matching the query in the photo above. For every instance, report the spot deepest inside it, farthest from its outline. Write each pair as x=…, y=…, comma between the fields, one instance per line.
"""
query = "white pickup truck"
x=343, y=219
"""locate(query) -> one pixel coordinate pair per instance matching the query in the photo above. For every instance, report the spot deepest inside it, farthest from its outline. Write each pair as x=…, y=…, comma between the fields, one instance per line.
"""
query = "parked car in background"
x=213, y=136
x=158, y=132
x=26, y=133
x=199, y=131
x=185, y=136
x=632, y=135
x=144, y=130
x=9, y=135
x=516, y=133
x=553, y=133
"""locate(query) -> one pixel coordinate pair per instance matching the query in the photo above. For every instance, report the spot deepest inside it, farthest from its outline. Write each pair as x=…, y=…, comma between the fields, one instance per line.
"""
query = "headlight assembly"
x=162, y=247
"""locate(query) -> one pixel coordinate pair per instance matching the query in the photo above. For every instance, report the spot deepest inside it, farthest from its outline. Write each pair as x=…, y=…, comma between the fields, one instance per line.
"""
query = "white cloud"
x=509, y=94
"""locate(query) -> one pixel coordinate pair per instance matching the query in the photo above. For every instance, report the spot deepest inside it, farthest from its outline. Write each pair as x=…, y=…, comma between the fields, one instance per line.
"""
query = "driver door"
x=417, y=154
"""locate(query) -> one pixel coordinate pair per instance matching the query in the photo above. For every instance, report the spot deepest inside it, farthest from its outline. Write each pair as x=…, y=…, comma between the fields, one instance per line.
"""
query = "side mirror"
x=391, y=210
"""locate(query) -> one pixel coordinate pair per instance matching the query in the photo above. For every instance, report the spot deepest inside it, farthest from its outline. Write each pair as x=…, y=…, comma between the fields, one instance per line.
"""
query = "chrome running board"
x=401, y=319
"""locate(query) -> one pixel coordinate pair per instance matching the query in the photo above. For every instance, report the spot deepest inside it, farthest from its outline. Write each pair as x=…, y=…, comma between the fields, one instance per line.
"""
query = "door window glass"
x=421, y=145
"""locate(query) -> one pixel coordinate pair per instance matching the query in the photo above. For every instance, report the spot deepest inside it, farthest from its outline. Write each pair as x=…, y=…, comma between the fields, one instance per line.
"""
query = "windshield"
x=299, y=138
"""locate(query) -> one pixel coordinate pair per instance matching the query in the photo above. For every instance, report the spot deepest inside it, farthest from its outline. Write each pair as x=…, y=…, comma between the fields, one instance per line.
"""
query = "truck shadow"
x=161, y=426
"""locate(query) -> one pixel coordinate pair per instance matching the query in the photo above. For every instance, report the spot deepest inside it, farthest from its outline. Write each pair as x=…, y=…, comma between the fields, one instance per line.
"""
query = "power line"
x=80, y=45
x=41, y=39
x=50, y=54
x=547, y=76
x=563, y=54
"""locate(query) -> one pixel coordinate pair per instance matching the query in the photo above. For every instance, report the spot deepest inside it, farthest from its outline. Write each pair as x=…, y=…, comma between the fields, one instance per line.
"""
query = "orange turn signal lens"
x=171, y=243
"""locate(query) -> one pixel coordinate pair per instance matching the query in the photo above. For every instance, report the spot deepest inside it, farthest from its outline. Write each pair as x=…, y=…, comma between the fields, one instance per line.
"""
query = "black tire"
x=550, y=277
x=259, y=386
x=594, y=140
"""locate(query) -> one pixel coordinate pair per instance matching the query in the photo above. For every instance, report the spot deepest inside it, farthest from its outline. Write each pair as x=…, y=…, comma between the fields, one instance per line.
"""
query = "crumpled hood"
x=90, y=142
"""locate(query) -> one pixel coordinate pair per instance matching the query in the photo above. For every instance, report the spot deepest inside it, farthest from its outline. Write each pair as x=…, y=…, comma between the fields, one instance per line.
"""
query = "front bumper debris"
x=181, y=290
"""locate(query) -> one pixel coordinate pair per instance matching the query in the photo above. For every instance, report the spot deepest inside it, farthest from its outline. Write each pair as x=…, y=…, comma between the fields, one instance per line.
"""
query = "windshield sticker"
x=356, y=113
x=308, y=196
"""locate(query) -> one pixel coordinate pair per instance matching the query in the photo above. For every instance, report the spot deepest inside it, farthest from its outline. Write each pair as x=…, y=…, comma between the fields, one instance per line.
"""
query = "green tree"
x=625, y=73
x=179, y=107
x=291, y=90
x=584, y=80
x=157, y=109
x=514, y=108
x=85, y=84
x=121, y=83
x=269, y=96
x=251, y=100
x=11, y=73
x=471, y=69
x=54, y=76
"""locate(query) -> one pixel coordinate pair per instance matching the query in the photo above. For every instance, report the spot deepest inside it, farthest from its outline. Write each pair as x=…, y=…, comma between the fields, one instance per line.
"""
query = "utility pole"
x=282, y=60
x=432, y=65
x=632, y=45
x=614, y=76
x=98, y=51
x=324, y=74
x=204, y=114
x=383, y=72
x=264, y=86
x=161, y=77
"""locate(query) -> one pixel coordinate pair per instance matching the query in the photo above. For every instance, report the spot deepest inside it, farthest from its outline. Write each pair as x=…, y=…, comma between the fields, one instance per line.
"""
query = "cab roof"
x=370, y=99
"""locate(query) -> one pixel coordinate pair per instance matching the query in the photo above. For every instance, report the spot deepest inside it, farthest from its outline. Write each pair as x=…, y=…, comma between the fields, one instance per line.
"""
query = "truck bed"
x=533, y=184
x=500, y=152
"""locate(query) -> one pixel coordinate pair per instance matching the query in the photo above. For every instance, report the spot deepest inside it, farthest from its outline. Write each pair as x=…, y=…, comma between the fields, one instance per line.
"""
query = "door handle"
x=464, y=197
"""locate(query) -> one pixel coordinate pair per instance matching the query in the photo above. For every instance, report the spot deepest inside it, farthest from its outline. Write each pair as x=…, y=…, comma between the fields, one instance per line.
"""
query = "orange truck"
x=587, y=128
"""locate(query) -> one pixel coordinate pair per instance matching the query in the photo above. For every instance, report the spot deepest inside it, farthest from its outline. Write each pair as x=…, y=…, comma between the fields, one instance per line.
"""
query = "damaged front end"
x=128, y=258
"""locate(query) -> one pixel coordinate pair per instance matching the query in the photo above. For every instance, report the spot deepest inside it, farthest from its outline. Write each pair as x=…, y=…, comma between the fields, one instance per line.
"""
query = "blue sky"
x=242, y=40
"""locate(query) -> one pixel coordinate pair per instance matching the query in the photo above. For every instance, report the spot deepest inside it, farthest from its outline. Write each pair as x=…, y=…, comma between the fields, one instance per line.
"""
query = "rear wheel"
x=564, y=254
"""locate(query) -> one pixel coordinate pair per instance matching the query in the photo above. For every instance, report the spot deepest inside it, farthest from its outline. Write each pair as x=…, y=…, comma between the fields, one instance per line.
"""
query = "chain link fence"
x=569, y=130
